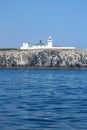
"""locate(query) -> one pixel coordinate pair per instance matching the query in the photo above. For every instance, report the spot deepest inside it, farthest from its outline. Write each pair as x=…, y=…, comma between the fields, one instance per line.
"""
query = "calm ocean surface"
x=43, y=100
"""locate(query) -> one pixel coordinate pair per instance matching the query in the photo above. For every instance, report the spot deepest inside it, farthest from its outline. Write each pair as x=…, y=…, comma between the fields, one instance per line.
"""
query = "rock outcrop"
x=43, y=58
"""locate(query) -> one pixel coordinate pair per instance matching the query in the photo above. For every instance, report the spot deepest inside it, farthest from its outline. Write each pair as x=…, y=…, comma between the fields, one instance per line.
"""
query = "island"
x=47, y=57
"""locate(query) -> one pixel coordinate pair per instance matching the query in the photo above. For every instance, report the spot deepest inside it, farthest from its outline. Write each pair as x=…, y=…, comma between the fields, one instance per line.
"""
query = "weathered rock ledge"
x=43, y=59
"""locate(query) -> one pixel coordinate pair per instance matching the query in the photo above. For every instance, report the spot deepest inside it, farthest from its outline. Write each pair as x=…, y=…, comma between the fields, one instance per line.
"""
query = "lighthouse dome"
x=49, y=38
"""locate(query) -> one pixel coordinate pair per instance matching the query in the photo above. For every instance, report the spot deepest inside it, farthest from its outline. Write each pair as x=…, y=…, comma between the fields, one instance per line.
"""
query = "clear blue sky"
x=32, y=20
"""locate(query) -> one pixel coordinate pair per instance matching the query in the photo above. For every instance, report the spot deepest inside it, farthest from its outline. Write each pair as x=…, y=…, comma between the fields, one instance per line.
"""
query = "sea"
x=43, y=99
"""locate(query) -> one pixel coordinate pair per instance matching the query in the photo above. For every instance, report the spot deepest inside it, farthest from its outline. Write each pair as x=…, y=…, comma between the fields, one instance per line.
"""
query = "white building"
x=25, y=46
x=41, y=45
x=38, y=45
x=50, y=44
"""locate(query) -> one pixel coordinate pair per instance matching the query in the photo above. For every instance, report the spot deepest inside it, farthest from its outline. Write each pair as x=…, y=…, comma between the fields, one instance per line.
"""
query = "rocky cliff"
x=47, y=58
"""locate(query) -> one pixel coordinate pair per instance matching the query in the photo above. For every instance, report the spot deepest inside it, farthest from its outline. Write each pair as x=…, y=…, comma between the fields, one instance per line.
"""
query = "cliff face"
x=43, y=58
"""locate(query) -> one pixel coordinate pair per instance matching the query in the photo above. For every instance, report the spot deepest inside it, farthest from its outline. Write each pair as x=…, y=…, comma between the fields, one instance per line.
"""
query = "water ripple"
x=43, y=100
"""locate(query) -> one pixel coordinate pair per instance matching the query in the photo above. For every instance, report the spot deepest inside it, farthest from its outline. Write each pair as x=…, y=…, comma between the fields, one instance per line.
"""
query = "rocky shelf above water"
x=43, y=59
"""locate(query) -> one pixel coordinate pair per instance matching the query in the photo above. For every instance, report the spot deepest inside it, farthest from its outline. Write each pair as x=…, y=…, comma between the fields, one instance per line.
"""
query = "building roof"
x=40, y=44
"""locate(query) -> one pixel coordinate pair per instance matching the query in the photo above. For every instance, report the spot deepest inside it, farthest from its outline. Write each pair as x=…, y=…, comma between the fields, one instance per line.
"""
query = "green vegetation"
x=7, y=49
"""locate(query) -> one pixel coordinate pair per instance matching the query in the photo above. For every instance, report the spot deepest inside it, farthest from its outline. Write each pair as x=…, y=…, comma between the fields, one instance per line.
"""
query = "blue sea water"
x=43, y=100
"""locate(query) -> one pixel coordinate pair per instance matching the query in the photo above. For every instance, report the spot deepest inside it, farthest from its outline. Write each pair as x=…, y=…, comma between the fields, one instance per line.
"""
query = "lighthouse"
x=50, y=42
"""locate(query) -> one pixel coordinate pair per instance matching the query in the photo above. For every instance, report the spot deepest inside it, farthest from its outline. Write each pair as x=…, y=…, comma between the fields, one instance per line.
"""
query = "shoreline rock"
x=43, y=59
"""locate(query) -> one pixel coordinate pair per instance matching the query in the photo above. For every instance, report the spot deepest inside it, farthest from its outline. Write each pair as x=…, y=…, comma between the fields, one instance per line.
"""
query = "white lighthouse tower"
x=50, y=42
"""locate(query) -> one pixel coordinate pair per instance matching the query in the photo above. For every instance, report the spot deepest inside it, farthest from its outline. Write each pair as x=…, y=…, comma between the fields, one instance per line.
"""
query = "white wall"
x=25, y=46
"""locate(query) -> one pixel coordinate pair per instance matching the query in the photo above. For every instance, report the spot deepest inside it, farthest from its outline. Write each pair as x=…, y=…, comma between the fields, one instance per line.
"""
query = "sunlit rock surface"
x=46, y=58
